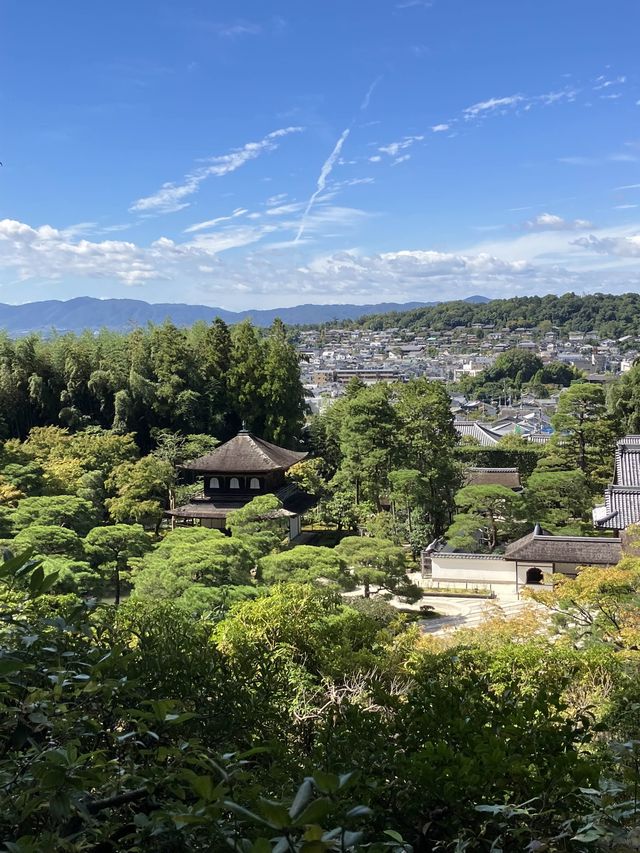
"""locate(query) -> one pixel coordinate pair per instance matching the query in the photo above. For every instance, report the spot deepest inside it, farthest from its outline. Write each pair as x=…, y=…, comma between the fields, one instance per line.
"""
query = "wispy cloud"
x=412, y=4
x=171, y=196
x=578, y=161
x=492, y=105
x=210, y=223
x=440, y=128
x=235, y=29
x=500, y=106
x=394, y=148
x=603, y=83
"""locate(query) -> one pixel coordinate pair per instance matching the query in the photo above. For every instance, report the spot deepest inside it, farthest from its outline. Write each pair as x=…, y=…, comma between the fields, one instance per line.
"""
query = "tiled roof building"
x=621, y=506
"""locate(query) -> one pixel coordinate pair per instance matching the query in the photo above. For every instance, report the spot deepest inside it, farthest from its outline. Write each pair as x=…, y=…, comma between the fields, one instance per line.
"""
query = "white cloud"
x=624, y=247
x=552, y=222
x=402, y=159
x=624, y=206
x=440, y=128
x=375, y=159
x=273, y=268
x=629, y=187
x=170, y=197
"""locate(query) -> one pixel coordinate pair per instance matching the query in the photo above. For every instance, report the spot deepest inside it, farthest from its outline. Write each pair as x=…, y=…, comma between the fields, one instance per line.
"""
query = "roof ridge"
x=261, y=451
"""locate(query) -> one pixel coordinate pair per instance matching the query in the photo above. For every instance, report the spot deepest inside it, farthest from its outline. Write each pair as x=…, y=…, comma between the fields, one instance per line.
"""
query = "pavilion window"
x=255, y=483
x=234, y=483
x=214, y=483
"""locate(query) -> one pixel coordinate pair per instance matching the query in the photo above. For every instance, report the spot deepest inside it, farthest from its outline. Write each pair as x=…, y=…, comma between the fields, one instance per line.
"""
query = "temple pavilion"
x=235, y=473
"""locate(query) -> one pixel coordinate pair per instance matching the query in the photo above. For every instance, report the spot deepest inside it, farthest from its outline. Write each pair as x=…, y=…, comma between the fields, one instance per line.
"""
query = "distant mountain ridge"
x=86, y=312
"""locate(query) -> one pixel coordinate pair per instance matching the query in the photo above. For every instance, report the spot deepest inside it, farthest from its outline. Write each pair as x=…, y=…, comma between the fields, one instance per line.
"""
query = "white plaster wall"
x=455, y=570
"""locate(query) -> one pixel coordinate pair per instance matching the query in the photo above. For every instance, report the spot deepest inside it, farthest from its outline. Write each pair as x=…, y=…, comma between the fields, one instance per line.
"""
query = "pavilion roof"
x=538, y=547
x=245, y=454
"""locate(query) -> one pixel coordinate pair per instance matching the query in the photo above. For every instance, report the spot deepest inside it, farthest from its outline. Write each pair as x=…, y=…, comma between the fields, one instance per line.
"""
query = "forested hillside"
x=607, y=314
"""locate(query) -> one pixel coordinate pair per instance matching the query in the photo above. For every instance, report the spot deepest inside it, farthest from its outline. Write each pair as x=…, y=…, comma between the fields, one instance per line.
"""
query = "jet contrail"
x=330, y=162
x=370, y=91
x=327, y=168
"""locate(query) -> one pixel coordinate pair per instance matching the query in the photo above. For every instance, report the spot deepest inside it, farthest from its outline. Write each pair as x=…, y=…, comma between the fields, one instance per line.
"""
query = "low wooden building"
x=525, y=562
x=235, y=473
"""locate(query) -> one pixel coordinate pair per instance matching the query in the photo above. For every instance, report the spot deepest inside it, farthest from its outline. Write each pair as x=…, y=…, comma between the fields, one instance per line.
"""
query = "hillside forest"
x=186, y=690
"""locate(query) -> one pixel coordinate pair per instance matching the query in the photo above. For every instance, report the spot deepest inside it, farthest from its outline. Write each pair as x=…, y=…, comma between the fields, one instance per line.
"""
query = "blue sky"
x=263, y=154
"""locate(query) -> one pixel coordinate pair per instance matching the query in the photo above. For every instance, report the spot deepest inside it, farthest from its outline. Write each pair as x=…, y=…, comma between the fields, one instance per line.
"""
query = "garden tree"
x=559, y=500
x=91, y=488
x=340, y=509
x=324, y=436
x=378, y=566
x=142, y=491
x=246, y=377
x=65, y=457
x=27, y=478
x=584, y=435
x=383, y=525
x=426, y=439
x=73, y=576
x=110, y=550
x=306, y=564
x=175, y=448
x=290, y=633
x=261, y=522
x=46, y=540
x=367, y=442
x=309, y=477
x=624, y=401
x=10, y=494
x=488, y=513
x=282, y=389
x=65, y=510
x=190, y=562
x=409, y=489
x=600, y=605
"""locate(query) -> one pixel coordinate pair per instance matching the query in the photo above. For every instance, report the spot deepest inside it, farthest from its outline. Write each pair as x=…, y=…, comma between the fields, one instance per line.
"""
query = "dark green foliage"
x=524, y=458
x=68, y=511
x=513, y=364
x=189, y=381
x=624, y=401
